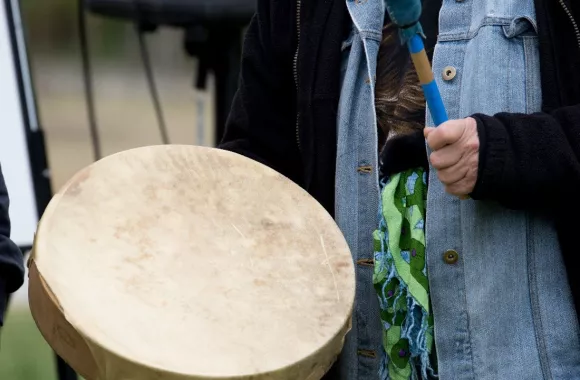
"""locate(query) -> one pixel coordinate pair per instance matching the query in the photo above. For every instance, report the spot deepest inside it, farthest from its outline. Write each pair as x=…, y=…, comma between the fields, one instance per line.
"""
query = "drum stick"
x=425, y=73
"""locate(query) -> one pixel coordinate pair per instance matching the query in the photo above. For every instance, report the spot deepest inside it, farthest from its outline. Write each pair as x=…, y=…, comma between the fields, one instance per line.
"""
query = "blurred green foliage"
x=24, y=355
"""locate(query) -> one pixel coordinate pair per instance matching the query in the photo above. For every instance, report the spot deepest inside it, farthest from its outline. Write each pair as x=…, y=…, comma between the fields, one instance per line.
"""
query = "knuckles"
x=472, y=145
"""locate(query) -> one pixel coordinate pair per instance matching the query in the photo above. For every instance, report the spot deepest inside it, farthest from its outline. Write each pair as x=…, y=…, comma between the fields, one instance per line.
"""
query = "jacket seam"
x=468, y=346
x=370, y=34
x=535, y=305
x=527, y=74
x=488, y=21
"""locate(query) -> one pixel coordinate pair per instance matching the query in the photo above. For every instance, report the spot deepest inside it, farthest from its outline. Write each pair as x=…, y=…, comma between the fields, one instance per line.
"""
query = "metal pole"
x=63, y=370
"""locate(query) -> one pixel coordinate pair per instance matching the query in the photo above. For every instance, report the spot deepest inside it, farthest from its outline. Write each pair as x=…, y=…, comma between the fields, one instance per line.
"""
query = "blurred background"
x=124, y=112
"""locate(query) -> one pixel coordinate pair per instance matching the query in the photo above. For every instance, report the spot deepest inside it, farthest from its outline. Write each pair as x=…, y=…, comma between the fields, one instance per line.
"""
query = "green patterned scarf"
x=400, y=277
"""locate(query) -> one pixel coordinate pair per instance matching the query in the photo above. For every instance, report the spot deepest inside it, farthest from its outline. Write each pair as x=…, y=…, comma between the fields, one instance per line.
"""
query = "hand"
x=455, y=156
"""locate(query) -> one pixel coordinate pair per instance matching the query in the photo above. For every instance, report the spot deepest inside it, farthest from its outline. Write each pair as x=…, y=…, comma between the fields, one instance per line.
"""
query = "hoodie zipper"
x=298, y=16
x=574, y=24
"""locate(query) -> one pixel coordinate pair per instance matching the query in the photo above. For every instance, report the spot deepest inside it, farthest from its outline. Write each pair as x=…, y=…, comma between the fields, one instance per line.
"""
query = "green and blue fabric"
x=400, y=277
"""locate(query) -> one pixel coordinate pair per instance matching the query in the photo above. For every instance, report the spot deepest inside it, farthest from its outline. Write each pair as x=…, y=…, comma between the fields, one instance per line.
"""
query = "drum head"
x=196, y=263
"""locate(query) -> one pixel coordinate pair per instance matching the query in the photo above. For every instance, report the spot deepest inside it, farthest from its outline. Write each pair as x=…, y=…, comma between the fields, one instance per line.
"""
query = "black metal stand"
x=64, y=371
x=219, y=50
x=213, y=34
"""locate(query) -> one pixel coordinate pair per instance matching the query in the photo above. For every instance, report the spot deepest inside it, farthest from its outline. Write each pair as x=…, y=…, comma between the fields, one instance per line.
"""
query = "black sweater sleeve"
x=11, y=259
x=261, y=124
x=530, y=161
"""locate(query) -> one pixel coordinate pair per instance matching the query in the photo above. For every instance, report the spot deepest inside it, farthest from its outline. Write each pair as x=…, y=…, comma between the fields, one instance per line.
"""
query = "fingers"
x=452, y=174
x=445, y=157
x=463, y=187
x=427, y=131
x=445, y=134
x=455, y=155
x=458, y=189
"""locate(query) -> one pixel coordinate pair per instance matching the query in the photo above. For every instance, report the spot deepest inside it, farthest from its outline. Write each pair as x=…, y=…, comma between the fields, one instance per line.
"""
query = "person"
x=501, y=280
x=11, y=259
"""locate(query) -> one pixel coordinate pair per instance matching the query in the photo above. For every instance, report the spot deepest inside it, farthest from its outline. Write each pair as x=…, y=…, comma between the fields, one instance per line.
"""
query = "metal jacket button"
x=449, y=73
x=451, y=256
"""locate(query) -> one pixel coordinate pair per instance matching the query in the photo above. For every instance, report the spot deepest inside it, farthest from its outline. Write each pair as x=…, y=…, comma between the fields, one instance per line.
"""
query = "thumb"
x=427, y=131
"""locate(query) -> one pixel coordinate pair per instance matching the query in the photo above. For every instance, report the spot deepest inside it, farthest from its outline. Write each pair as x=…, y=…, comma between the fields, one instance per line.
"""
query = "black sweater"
x=527, y=161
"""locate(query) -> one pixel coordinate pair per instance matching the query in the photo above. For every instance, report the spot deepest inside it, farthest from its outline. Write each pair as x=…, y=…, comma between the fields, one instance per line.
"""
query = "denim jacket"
x=357, y=183
x=503, y=310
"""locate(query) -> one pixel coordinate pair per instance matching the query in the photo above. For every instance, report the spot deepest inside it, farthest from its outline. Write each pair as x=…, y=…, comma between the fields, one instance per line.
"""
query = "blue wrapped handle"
x=430, y=88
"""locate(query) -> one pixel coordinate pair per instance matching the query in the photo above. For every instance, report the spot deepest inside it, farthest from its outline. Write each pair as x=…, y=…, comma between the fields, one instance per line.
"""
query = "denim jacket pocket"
x=499, y=56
